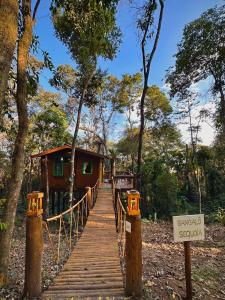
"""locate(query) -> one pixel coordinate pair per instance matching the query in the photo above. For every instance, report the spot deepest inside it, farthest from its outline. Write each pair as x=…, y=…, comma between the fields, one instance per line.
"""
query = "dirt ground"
x=163, y=264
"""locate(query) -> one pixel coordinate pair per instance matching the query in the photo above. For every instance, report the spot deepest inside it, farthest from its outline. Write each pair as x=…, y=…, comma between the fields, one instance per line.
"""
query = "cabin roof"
x=53, y=150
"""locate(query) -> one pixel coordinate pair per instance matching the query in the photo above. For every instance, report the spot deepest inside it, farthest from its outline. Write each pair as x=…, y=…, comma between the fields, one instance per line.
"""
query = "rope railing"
x=121, y=225
x=70, y=223
x=94, y=193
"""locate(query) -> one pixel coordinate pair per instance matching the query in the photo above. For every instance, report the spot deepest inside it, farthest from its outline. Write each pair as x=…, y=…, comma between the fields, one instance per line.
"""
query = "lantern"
x=35, y=204
x=133, y=198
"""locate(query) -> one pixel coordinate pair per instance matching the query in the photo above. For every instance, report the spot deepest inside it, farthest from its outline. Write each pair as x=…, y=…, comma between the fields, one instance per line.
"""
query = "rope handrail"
x=95, y=184
x=78, y=214
x=66, y=211
x=71, y=208
x=121, y=205
x=121, y=225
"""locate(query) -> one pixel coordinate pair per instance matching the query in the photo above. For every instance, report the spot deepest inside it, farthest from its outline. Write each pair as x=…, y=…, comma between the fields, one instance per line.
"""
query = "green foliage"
x=87, y=28
x=157, y=106
x=129, y=143
x=166, y=189
x=201, y=55
x=217, y=216
x=48, y=122
x=3, y=226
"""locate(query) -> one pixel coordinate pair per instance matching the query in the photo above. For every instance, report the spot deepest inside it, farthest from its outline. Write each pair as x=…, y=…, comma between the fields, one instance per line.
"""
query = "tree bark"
x=8, y=37
x=222, y=108
x=146, y=61
x=72, y=168
x=18, y=153
x=141, y=132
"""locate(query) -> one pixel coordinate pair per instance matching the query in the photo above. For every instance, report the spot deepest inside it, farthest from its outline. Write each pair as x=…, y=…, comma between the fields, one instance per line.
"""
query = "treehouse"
x=55, y=174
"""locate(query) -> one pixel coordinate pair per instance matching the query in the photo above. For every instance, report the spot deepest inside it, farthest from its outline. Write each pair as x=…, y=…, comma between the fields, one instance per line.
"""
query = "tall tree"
x=24, y=42
x=201, y=55
x=145, y=25
x=89, y=31
x=131, y=89
x=8, y=37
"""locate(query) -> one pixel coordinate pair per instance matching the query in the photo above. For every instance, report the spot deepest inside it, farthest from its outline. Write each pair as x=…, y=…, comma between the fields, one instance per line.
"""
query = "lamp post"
x=133, y=252
x=34, y=246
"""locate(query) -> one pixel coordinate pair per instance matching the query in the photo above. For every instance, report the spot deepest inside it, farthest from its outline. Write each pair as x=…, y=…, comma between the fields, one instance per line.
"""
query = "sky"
x=177, y=14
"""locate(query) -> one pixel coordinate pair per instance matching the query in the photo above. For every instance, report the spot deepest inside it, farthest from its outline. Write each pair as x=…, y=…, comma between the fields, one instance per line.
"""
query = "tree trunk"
x=72, y=175
x=18, y=153
x=140, y=136
x=222, y=109
x=8, y=37
x=146, y=61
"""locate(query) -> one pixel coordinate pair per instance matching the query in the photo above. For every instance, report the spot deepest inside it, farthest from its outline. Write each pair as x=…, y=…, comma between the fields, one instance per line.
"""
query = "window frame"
x=58, y=160
x=87, y=161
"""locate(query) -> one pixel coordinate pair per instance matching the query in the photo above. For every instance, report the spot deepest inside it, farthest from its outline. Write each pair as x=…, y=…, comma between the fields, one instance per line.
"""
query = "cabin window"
x=87, y=168
x=58, y=167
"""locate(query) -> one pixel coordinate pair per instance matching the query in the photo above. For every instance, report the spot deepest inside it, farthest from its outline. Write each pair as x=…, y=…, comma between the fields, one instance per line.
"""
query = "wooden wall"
x=62, y=182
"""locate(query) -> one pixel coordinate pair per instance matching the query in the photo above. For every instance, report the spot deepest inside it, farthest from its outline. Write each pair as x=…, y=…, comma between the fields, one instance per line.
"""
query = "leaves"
x=87, y=28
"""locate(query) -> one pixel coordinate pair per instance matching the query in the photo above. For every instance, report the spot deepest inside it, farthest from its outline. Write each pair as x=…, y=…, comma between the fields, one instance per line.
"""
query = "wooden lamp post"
x=34, y=245
x=133, y=199
x=133, y=253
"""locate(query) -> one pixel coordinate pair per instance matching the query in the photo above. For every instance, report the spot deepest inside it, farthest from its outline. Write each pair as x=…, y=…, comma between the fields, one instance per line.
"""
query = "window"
x=58, y=167
x=87, y=168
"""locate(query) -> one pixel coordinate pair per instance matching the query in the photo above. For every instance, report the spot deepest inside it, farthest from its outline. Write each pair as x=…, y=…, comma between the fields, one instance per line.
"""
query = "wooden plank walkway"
x=93, y=269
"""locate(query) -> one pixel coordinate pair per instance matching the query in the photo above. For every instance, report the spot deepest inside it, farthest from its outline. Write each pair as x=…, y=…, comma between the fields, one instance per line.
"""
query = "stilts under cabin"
x=55, y=174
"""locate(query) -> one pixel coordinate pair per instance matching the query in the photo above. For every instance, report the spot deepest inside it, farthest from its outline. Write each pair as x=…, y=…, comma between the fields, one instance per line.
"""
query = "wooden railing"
x=70, y=222
x=94, y=193
x=120, y=213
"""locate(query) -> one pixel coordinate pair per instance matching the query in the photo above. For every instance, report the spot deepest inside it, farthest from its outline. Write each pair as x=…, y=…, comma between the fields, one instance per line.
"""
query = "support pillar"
x=34, y=247
x=133, y=257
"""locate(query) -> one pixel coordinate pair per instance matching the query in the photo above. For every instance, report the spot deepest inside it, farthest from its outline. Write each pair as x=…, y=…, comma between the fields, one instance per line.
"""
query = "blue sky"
x=177, y=13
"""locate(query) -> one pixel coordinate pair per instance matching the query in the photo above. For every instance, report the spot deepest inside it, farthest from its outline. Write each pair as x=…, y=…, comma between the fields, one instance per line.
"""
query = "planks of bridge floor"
x=93, y=269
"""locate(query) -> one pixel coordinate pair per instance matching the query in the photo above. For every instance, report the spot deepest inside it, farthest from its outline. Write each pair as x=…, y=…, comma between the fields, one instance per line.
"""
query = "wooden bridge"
x=93, y=268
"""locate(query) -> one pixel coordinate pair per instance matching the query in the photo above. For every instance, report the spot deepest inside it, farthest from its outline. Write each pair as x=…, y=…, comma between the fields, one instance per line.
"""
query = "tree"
x=48, y=122
x=201, y=55
x=145, y=24
x=131, y=89
x=157, y=107
x=8, y=28
x=128, y=145
x=24, y=43
x=88, y=30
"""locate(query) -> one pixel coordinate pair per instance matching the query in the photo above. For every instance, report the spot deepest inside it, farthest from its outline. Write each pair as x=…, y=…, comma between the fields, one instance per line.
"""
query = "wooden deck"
x=93, y=269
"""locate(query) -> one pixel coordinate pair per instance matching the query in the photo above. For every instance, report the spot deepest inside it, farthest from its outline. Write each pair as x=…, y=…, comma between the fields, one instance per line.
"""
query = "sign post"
x=188, y=228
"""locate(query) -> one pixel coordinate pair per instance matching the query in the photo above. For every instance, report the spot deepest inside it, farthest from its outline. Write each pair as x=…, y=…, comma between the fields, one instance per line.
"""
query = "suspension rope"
x=77, y=214
x=121, y=225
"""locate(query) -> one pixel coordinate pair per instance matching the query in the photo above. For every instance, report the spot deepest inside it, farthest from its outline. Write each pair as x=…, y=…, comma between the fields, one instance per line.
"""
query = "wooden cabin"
x=55, y=174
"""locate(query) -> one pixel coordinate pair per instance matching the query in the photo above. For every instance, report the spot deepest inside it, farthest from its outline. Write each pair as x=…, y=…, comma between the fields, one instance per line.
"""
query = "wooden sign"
x=188, y=228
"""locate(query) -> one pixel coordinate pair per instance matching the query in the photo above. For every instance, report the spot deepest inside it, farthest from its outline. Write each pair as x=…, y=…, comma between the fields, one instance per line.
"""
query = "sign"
x=188, y=228
x=128, y=226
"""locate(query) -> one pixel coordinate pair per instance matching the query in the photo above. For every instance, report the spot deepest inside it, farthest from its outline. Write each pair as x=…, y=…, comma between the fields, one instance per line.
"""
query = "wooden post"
x=133, y=257
x=34, y=246
x=90, y=204
x=187, y=253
